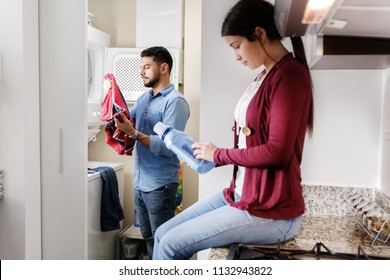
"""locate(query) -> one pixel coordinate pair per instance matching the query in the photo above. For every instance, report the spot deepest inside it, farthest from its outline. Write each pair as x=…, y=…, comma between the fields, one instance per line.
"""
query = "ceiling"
x=367, y=18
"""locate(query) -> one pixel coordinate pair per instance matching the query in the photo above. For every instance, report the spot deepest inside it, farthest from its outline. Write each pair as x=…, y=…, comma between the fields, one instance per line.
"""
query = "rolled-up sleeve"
x=176, y=116
x=158, y=147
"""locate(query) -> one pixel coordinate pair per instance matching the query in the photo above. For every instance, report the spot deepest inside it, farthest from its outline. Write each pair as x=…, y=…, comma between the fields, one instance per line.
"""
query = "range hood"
x=346, y=52
x=355, y=34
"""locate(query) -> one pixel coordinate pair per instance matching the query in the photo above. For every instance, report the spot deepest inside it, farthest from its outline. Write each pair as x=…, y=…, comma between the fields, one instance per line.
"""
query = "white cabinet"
x=163, y=19
x=385, y=153
x=63, y=87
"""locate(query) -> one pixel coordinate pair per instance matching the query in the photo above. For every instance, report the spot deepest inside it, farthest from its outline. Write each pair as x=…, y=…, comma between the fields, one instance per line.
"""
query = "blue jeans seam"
x=212, y=236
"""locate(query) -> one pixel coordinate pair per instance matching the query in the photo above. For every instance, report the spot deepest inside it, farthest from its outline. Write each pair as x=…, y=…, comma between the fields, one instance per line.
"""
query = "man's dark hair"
x=160, y=55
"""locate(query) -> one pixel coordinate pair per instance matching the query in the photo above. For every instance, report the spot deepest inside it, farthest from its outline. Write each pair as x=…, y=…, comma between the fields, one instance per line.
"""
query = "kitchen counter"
x=329, y=220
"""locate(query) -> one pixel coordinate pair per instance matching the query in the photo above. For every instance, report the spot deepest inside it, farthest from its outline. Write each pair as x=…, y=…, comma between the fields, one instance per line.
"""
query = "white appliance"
x=125, y=64
x=98, y=42
x=101, y=245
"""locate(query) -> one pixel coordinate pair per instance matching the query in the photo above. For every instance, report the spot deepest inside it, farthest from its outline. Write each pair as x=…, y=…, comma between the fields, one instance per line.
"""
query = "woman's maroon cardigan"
x=278, y=117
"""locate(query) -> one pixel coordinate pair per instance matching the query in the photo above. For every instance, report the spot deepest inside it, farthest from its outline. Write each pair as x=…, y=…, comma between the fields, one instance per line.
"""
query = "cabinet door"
x=63, y=86
x=385, y=156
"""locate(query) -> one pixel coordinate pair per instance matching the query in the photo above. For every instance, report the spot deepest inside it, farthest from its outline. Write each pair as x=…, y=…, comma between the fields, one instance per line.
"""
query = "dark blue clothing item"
x=111, y=212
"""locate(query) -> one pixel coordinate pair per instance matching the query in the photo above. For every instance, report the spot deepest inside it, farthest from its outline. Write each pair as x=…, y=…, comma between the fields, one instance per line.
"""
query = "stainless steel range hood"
x=288, y=17
x=355, y=34
x=347, y=52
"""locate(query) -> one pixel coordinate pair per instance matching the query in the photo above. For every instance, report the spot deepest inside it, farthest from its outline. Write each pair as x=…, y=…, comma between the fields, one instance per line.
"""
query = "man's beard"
x=151, y=83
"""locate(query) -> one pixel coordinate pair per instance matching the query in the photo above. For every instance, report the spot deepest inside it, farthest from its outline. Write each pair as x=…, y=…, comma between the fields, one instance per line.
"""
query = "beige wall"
x=118, y=19
x=192, y=78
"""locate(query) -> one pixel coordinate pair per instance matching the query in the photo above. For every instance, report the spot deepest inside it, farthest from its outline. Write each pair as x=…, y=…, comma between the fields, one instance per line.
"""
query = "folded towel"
x=111, y=212
x=112, y=105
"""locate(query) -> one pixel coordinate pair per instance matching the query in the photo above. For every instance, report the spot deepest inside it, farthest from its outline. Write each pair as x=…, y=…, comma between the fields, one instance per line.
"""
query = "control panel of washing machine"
x=94, y=112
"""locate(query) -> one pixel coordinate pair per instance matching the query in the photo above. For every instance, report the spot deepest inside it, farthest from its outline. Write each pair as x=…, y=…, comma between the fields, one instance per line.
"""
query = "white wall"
x=19, y=123
x=223, y=80
x=345, y=148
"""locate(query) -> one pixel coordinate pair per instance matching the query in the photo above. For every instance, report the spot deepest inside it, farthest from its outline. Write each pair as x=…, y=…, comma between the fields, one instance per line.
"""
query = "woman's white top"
x=240, y=118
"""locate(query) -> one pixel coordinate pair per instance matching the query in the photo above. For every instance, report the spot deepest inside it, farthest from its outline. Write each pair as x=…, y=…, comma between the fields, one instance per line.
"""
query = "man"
x=155, y=175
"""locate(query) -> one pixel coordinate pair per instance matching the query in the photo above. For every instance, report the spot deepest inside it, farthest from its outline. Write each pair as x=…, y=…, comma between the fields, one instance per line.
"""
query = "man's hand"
x=124, y=125
x=107, y=85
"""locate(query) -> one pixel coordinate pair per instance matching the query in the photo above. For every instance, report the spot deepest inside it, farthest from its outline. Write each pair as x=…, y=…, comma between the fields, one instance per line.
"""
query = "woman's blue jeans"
x=211, y=222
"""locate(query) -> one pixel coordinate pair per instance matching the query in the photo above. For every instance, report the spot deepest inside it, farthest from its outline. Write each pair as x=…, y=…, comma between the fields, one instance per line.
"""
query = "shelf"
x=132, y=232
x=92, y=134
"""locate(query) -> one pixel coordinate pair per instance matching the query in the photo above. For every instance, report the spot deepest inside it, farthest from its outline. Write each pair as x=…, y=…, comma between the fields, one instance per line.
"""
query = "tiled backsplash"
x=382, y=200
x=327, y=200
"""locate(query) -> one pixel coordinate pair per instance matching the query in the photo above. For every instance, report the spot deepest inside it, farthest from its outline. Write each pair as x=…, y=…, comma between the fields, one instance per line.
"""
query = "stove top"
x=277, y=252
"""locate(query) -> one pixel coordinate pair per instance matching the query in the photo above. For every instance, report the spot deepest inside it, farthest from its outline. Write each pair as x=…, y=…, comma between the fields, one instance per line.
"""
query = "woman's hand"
x=204, y=151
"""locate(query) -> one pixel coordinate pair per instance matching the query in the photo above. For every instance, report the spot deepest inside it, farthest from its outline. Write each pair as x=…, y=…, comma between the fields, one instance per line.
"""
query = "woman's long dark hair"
x=246, y=15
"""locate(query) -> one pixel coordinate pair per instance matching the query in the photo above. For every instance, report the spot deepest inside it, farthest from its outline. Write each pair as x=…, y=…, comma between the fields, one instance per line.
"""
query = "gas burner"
x=277, y=252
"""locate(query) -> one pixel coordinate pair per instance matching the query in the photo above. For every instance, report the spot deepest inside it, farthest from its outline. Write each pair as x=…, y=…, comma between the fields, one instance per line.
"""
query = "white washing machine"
x=101, y=245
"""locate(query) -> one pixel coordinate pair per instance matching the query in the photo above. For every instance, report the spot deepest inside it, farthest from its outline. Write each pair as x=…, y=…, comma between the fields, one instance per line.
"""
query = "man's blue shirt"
x=157, y=166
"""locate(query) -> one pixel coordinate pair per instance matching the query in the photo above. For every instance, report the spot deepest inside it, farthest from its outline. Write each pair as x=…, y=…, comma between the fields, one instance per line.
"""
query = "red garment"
x=278, y=117
x=113, y=104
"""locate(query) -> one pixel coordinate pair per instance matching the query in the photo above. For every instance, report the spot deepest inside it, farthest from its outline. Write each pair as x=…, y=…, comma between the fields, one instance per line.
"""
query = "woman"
x=264, y=203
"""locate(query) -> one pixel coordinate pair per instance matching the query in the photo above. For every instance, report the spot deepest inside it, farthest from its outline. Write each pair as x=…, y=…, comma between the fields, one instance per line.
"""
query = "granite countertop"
x=336, y=227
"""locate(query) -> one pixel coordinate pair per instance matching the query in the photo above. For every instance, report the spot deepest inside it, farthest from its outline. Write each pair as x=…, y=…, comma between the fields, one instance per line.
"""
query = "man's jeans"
x=154, y=208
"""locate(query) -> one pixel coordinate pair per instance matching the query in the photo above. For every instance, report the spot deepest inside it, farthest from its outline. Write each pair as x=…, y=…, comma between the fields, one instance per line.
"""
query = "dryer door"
x=98, y=42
